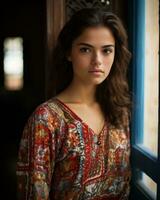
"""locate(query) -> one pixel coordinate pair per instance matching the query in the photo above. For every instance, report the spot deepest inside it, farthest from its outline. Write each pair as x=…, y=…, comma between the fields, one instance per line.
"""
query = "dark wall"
x=25, y=19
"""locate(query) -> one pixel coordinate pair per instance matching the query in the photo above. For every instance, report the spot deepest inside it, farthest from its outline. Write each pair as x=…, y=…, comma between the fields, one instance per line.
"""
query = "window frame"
x=140, y=158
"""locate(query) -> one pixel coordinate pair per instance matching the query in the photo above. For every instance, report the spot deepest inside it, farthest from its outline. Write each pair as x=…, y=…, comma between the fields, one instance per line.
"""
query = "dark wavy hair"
x=113, y=93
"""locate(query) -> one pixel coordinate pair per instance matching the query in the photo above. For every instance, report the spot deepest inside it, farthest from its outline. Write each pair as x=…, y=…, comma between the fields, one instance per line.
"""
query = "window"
x=151, y=76
x=145, y=86
x=13, y=63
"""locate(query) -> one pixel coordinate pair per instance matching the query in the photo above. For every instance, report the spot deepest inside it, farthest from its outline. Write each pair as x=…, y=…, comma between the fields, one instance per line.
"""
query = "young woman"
x=76, y=145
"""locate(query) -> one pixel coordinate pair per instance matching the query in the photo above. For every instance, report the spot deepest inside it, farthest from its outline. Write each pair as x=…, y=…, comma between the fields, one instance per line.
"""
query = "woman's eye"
x=85, y=50
x=107, y=51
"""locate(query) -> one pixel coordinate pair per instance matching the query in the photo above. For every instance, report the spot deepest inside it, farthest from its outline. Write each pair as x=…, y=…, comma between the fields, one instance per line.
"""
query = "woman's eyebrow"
x=108, y=45
x=89, y=45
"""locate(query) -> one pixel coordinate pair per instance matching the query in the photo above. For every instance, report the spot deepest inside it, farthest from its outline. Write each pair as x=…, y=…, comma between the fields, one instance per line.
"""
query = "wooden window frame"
x=55, y=19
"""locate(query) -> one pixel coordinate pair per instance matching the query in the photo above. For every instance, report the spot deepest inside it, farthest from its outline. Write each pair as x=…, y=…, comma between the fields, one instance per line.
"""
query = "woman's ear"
x=68, y=56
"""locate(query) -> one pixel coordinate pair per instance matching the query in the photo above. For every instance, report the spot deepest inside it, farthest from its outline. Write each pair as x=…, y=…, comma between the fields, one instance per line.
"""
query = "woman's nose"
x=96, y=59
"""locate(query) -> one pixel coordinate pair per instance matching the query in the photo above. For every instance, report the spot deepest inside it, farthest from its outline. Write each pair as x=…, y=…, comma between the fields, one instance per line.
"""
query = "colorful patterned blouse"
x=61, y=158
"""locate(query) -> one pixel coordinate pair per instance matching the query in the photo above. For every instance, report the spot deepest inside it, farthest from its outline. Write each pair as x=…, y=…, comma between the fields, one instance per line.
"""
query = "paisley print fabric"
x=61, y=158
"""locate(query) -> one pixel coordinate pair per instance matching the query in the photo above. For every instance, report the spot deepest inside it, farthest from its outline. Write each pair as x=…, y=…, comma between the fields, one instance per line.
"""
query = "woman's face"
x=92, y=55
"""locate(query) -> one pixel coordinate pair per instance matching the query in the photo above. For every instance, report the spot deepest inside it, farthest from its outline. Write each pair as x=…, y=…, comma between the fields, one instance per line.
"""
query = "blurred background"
x=28, y=33
x=22, y=77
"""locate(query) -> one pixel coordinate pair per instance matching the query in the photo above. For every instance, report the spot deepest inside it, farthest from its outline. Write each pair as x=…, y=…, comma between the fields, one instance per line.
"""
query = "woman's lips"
x=96, y=71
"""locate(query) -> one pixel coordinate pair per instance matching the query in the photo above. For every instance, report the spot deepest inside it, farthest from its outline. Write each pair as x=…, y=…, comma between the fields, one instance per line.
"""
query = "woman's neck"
x=79, y=93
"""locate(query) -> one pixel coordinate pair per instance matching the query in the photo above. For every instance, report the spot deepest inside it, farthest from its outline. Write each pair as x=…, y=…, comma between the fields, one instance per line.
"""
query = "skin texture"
x=92, y=56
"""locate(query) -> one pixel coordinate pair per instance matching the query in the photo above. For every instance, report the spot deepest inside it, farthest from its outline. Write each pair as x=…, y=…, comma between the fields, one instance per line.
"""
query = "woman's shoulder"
x=49, y=109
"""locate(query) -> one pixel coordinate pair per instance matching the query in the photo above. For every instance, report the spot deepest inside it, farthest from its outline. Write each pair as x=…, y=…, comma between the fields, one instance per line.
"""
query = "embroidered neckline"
x=73, y=114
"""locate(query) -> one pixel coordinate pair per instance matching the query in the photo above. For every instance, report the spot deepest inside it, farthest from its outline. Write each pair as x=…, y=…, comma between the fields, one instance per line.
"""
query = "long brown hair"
x=113, y=93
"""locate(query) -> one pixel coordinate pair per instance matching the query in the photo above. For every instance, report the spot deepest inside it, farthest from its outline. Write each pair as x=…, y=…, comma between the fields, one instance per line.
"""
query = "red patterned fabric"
x=61, y=158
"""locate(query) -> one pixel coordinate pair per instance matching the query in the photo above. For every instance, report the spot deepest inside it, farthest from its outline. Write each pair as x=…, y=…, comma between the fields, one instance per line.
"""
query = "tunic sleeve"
x=36, y=157
x=127, y=161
